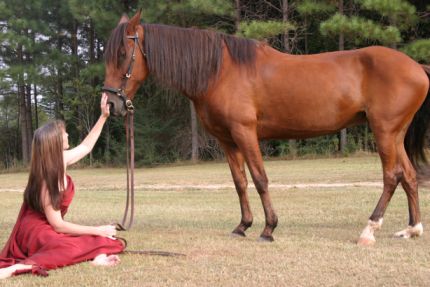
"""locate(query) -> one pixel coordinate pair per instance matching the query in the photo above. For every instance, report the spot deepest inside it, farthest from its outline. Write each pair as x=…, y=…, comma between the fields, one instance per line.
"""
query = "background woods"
x=51, y=65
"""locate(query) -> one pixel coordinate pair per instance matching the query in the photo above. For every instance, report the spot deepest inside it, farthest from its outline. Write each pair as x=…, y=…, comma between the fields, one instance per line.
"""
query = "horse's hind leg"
x=396, y=168
x=237, y=167
x=392, y=173
x=247, y=141
x=409, y=183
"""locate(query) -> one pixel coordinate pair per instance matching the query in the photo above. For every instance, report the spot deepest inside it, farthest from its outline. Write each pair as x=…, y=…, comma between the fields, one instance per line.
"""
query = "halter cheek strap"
x=120, y=92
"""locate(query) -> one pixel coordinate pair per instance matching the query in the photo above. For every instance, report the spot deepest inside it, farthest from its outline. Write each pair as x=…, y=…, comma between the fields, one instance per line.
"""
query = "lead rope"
x=123, y=226
x=131, y=182
x=129, y=130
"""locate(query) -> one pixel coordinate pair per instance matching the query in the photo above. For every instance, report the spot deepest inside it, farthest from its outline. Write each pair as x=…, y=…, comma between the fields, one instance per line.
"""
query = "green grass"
x=314, y=242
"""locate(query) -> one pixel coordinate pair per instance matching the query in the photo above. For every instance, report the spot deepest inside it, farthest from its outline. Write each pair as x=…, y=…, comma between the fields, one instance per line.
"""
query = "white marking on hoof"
x=367, y=238
x=410, y=231
x=366, y=241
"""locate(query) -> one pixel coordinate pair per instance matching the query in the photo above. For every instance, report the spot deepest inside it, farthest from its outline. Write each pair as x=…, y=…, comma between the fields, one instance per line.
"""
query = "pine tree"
x=397, y=16
x=312, y=10
x=19, y=53
x=419, y=45
x=419, y=50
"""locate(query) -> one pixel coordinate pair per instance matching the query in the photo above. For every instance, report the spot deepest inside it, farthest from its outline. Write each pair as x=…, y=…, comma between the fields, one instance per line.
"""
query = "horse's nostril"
x=111, y=107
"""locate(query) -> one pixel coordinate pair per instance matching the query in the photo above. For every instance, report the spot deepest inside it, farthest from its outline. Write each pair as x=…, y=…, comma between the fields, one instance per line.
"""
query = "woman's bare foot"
x=104, y=260
x=8, y=271
x=4, y=273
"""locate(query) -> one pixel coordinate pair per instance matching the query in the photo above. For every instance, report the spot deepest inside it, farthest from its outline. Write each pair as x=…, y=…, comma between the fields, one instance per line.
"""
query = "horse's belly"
x=308, y=110
x=305, y=126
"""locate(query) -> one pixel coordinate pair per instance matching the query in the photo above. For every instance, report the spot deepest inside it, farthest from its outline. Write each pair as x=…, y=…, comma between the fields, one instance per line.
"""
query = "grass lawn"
x=192, y=209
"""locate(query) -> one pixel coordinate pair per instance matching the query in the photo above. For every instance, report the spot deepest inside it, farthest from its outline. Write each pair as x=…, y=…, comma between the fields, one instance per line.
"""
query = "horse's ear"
x=134, y=21
x=124, y=19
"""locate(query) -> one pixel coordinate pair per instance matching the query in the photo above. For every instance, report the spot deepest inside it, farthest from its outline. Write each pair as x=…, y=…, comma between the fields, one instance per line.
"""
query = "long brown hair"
x=185, y=59
x=47, y=166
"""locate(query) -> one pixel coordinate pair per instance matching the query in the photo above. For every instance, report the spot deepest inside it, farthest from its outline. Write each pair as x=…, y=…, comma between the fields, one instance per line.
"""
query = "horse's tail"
x=415, y=139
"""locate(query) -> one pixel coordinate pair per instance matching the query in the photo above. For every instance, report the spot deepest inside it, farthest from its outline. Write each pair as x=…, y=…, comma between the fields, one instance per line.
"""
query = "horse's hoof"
x=402, y=234
x=363, y=241
x=410, y=231
x=238, y=233
x=266, y=238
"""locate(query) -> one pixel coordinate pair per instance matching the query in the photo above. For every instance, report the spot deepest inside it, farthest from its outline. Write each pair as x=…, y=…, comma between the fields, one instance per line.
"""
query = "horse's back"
x=310, y=95
x=290, y=96
x=341, y=85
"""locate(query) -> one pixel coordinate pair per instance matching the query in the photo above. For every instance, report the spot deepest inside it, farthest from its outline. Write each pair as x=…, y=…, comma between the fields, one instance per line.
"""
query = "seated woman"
x=41, y=239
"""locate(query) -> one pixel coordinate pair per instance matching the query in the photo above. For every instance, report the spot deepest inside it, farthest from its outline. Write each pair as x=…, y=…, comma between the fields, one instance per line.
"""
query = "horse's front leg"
x=246, y=139
x=237, y=167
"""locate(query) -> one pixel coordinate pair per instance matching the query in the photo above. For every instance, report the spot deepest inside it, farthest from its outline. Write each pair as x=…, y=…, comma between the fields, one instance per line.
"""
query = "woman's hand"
x=105, y=108
x=106, y=231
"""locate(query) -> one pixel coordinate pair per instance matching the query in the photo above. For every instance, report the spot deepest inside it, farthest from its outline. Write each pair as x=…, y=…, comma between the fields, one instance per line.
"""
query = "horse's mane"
x=114, y=44
x=185, y=58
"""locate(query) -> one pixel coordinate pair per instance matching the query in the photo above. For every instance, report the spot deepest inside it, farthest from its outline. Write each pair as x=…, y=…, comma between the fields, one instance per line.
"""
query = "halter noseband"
x=121, y=91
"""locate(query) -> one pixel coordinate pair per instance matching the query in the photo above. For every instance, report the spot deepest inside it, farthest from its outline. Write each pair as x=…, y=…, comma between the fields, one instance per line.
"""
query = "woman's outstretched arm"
x=75, y=154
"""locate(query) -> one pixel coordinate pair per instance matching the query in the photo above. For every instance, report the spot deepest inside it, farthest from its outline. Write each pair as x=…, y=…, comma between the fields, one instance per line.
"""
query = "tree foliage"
x=419, y=50
x=360, y=30
x=261, y=30
x=313, y=7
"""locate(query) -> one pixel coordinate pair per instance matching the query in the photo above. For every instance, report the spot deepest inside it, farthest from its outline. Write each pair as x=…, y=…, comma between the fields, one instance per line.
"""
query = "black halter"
x=121, y=91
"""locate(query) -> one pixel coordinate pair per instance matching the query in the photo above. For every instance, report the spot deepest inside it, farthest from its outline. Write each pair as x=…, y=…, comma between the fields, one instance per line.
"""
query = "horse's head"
x=125, y=64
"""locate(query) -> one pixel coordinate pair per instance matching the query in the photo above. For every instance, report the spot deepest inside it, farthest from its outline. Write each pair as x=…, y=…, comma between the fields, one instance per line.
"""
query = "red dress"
x=34, y=242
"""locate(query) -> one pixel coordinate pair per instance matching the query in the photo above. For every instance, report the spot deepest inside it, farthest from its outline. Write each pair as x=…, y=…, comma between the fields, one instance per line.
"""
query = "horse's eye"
x=122, y=56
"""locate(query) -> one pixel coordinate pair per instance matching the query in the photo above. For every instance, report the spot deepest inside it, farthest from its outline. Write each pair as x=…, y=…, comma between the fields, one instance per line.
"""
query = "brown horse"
x=244, y=91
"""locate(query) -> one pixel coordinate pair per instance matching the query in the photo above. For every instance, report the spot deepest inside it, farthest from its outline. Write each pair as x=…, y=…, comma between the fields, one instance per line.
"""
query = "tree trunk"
x=285, y=19
x=74, y=47
x=28, y=116
x=393, y=23
x=92, y=43
x=292, y=144
x=306, y=35
x=23, y=111
x=366, y=137
x=92, y=61
x=342, y=135
x=23, y=124
x=194, y=135
x=237, y=14
x=36, y=113
x=59, y=105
